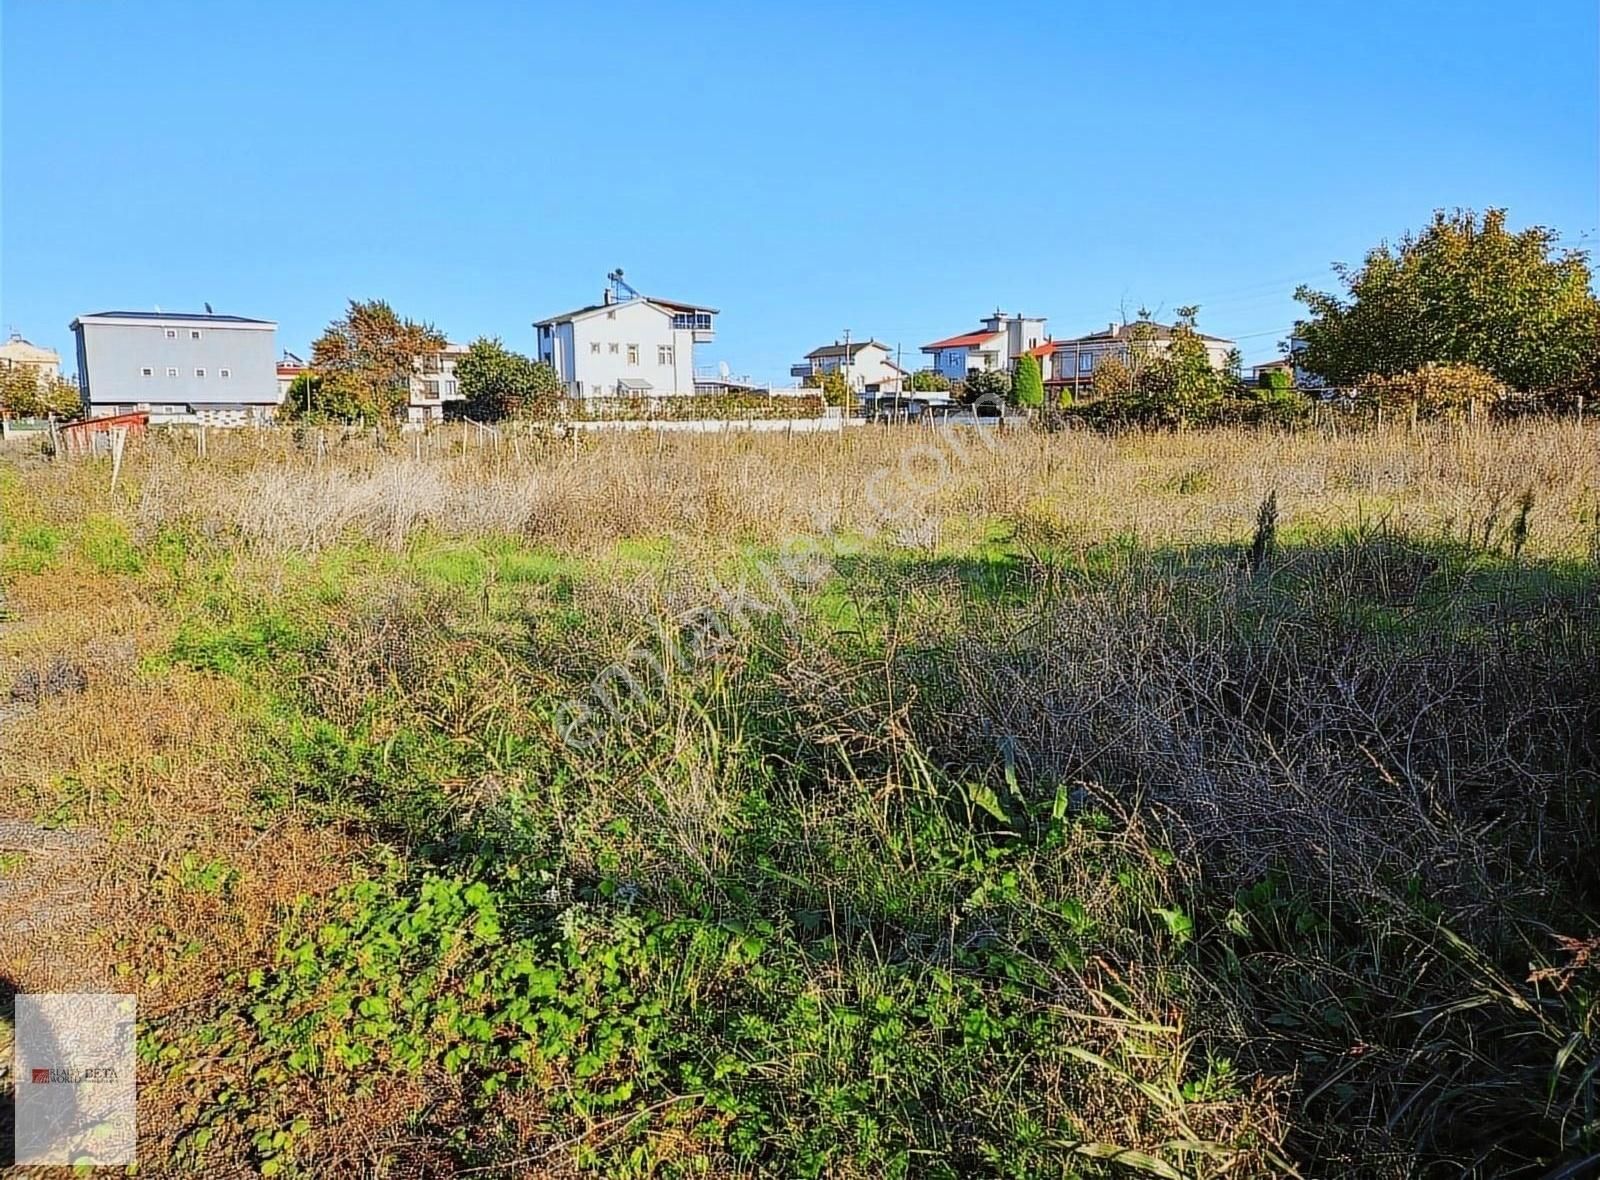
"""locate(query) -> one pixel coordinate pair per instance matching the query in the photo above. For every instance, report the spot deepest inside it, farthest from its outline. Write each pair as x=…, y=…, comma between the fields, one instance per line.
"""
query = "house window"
x=147, y=372
x=194, y=333
x=224, y=372
x=431, y=388
x=663, y=354
x=614, y=349
x=172, y=333
x=594, y=348
x=449, y=389
x=633, y=354
x=1086, y=362
x=199, y=372
x=171, y=372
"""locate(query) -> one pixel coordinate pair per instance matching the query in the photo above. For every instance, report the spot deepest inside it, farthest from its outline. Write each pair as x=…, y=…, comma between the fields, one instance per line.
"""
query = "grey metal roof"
x=159, y=316
x=837, y=349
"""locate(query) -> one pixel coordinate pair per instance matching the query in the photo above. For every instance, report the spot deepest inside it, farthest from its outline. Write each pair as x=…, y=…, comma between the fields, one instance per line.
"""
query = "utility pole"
x=849, y=389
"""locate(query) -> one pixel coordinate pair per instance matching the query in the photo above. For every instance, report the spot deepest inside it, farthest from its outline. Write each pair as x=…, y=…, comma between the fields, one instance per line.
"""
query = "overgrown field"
x=1206, y=804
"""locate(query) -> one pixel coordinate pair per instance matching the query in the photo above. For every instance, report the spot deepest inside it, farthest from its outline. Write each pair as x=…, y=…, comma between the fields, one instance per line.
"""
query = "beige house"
x=1073, y=361
x=17, y=353
x=866, y=362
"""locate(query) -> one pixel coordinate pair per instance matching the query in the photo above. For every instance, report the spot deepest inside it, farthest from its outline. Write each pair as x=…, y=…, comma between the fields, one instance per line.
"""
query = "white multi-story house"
x=627, y=345
x=998, y=344
x=1074, y=360
x=433, y=383
x=866, y=362
x=217, y=370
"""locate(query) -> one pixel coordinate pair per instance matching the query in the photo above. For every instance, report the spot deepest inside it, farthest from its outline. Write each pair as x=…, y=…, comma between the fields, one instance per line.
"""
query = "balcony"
x=698, y=322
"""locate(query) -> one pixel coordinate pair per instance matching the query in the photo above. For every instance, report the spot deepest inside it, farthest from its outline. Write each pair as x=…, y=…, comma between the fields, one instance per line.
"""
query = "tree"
x=26, y=393
x=835, y=389
x=1164, y=379
x=992, y=385
x=1028, y=388
x=929, y=381
x=1463, y=291
x=366, y=360
x=498, y=383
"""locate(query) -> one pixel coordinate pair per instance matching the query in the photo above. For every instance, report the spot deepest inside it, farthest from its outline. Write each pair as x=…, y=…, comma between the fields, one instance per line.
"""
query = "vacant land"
x=1007, y=805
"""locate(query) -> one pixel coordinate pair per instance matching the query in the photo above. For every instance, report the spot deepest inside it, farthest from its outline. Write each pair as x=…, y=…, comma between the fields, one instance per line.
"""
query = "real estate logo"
x=77, y=1051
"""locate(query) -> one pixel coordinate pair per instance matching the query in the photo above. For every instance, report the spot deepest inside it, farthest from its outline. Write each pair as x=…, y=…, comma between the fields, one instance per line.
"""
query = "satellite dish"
x=208, y=310
x=723, y=370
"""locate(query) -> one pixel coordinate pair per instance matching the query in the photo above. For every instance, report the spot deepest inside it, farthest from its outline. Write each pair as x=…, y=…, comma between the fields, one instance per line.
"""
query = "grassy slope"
x=1037, y=835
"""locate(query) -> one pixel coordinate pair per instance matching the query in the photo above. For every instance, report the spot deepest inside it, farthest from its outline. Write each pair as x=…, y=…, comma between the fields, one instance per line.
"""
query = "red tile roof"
x=969, y=340
x=1039, y=352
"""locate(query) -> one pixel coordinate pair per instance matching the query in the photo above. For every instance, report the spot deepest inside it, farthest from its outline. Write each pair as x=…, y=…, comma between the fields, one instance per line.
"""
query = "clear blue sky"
x=896, y=168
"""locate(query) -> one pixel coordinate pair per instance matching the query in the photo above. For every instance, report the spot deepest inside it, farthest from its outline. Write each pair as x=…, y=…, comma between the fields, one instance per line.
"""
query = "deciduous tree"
x=986, y=385
x=24, y=393
x=1466, y=290
x=365, y=360
x=498, y=383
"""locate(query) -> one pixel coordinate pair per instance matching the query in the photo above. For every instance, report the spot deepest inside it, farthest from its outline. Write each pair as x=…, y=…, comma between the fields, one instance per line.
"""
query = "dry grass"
x=1335, y=722
x=1161, y=487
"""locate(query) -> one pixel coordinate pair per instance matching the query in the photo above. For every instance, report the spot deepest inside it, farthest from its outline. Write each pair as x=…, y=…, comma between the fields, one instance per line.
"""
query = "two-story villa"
x=1074, y=360
x=866, y=362
x=627, y=345
x=998, y=344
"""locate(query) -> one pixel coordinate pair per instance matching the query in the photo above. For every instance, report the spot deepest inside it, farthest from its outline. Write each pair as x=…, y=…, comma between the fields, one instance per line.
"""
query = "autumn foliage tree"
x=1466, y=290
x=364, y=361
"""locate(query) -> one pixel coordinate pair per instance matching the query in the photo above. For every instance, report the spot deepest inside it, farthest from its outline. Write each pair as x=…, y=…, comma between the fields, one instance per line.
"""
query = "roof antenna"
x=208, y=309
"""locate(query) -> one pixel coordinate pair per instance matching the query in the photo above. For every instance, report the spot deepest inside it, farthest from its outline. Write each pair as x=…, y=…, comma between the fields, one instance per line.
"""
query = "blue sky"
x=899, y=169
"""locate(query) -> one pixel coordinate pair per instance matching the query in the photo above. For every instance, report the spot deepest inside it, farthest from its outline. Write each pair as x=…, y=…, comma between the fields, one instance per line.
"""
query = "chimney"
x=1111, y=328
x=605, y=297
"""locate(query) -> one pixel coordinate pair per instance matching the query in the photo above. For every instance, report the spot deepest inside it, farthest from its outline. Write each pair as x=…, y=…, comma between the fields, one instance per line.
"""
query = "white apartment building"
x=433, y=383
x=627, y=345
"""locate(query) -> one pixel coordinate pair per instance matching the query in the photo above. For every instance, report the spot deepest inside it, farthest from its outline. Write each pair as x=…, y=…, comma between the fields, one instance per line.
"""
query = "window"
x=147, y=372
x=449, y=389
x=614, y=350
x=1086, y=362
x=194, y=333
x=633, y=354
x=663, y=354
x=199, y=372
x=431, y=388
x=224, y=372
x=172, y=372
x=594, y=348
x=172, y=333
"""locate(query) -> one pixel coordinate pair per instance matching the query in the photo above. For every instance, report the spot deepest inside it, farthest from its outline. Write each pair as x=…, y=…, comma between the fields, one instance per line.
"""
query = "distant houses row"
x=999, y=343
x=226, y=370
